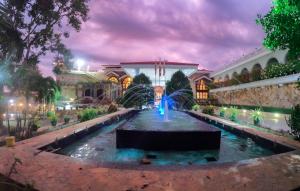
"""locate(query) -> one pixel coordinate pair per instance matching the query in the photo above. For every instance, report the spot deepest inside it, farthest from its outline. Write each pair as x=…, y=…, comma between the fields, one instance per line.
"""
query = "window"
x=87, y=92
x=201, y=90
x=201, y=85
x=113, y=79
x=202, y=95
x=126, y=82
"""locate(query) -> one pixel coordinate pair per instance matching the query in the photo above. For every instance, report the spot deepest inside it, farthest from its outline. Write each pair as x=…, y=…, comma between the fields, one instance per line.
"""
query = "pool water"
x=100, y=147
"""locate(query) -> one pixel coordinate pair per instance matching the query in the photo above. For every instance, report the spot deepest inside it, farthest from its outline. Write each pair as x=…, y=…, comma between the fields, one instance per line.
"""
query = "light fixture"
x=79, y=63
x=276, y=115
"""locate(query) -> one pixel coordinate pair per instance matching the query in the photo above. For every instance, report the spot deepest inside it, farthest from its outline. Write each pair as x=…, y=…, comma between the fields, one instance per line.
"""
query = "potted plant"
x=256, y=116
x=196, y=107
x=67, y=119
x=53, y=120
x=210, y=110
x=223, y=111
x=294, y=122
x=233, y=113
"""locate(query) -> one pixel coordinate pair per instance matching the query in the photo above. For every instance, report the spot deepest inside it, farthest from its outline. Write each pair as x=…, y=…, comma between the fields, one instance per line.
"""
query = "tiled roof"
x=153, y=62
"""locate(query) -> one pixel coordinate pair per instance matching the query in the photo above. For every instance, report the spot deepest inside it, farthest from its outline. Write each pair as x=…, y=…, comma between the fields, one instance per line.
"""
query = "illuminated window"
x=201, y=90
x=126, y=82
x=113, y=79
x=201, y=85
x=202, y=95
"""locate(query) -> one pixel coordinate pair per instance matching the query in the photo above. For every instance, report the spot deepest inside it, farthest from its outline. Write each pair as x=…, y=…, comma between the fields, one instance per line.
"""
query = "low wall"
x=280, y=96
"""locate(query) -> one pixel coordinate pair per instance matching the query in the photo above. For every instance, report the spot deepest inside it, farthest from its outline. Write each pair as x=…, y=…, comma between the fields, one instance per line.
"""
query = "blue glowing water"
x=101, y=147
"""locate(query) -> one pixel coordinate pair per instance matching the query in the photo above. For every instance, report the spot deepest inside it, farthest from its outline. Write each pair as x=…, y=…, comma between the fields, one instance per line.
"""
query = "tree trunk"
x=2, y=108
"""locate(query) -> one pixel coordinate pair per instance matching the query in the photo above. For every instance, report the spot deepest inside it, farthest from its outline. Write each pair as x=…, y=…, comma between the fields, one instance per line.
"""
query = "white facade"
x=149, y=70
x=260, y=57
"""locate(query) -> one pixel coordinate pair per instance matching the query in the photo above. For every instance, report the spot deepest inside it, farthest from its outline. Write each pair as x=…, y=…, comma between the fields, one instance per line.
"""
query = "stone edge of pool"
x=49, y=171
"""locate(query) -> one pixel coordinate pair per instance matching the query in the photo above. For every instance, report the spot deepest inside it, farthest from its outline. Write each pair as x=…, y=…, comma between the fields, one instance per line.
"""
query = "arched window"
x=201, y=90
x=87, y=93
x=256, y=73
x=226, y=80
x=113, y=79
x=126, y=82
x=201, y=85
x=245, y=76
x=234, y=79
x=100, y=94
x=271, y=62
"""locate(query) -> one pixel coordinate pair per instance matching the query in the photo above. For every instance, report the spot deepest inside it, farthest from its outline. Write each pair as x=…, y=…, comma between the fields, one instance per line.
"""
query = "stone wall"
x=280, y=96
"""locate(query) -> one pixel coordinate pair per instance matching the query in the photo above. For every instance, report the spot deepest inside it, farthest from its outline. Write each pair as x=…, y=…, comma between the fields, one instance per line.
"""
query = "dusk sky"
x=211, y=33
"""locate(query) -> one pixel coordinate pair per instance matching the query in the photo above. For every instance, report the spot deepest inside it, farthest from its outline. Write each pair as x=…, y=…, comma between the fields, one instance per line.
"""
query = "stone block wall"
x=280, y=96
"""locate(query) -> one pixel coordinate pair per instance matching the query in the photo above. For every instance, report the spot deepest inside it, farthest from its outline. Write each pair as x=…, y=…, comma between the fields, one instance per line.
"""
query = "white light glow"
x=79, y=63
x=276, y=115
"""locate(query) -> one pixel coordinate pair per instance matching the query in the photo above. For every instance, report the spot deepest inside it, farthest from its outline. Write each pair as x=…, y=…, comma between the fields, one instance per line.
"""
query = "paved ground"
x=273, y=121
x=52, y=172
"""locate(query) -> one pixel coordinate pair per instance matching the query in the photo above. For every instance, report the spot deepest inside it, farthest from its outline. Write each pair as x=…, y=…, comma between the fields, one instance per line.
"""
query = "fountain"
x=147, y=130
x=166, y=112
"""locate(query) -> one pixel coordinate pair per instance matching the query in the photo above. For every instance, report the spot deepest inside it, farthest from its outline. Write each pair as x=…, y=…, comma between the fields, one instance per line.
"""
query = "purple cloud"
x=211, y=33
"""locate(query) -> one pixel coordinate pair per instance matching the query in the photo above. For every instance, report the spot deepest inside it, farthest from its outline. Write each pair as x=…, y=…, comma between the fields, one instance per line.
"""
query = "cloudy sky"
x=211, y=33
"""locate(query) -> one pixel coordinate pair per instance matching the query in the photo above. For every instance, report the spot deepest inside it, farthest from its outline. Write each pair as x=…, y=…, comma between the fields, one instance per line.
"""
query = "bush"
x=67, y=119
x=278, y=70
x=210, y=110
x=112, y=108
x=196, y=107
x=233, y=113
x=256, y=116
x=53, y=120
x=223, y=111
x=50, y=114
x=101, y=111
x=35, y=125
x=88, y=114
x=294, y=122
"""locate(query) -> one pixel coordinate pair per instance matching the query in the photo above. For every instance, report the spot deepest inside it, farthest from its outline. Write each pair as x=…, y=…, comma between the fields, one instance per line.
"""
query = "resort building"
x=242, y=83
x=113, y=80
x=245, y=82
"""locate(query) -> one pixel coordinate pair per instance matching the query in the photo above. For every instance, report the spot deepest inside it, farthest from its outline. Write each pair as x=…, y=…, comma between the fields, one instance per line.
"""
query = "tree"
x=139, y=92
x=179, y=89
x=30, y=29
x=39, y=20
x=281, y=26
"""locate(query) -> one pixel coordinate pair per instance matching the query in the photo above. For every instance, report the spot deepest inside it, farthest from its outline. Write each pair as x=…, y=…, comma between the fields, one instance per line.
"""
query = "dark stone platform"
x=205, y=137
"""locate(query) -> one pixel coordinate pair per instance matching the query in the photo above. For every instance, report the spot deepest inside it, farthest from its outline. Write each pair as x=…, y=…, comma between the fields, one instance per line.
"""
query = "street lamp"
x=79, y=63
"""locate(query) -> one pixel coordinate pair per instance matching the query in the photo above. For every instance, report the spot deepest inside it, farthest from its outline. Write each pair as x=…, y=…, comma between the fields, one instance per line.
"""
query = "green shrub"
x=35, y=125
x=294, y=122
x=233, y=113
x=256, y=116
x=210, y=110
x=88, y=114
x=223, y=111
x=196, y=107
x=53, y=120
x=278, y=70
x=101, y=111
x=112, y=108
x=67, y=119
x=50, y=114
